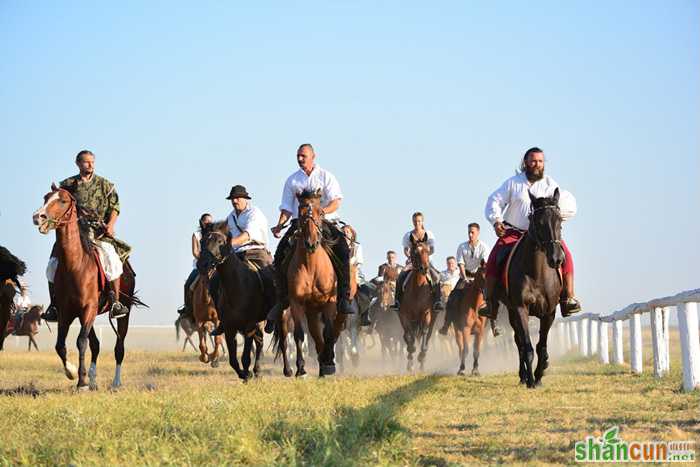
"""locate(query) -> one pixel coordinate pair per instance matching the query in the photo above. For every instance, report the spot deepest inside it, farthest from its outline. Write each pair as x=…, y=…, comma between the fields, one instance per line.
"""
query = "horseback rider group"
x=507, y=209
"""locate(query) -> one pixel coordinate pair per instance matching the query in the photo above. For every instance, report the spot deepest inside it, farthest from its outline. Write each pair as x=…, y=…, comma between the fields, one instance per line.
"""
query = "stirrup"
x=51, y=314
x=569, y=306
x=117, y=310
x=486, y=312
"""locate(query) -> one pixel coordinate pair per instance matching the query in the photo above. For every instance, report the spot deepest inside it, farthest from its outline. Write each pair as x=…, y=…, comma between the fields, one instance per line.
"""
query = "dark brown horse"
x=416, y=312
x=463, y=304
x=7, y=295
x=312, y=283
x=534, y=284
x=240, y=301
x=77, y=288
x=384, y=316
x=29, y=325
x=288, y=325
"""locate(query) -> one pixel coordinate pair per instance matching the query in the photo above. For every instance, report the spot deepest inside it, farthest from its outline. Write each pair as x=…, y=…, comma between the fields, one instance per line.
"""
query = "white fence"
x=589, y=333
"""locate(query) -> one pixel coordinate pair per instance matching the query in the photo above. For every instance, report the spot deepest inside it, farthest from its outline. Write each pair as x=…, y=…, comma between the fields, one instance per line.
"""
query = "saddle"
x=509, y=253
x=103, y=305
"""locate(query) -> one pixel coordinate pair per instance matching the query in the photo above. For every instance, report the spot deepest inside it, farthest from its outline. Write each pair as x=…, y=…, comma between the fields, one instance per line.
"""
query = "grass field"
x=174, y=410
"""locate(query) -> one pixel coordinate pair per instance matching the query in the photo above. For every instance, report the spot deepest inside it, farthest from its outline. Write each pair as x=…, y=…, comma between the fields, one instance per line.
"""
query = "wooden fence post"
x=636, y=343
x=658, y=341
x=583, y=338
x=603, y=342
x=618, y=343
x=690, y=347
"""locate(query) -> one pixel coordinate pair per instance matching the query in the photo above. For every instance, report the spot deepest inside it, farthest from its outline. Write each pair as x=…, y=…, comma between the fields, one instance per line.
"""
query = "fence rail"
x=589, y=333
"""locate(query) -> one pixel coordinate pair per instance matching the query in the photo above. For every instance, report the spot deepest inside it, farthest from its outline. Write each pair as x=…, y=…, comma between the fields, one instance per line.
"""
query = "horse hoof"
x=287, y=373
x=476, y=373
x=115, y=387
x=214, y=363
x=301, y=374
x=203, y=359
x=83, y=388
x=93, y=386
x=70, y=370
x=538, y=383
x=460, y=372
x=326, y=370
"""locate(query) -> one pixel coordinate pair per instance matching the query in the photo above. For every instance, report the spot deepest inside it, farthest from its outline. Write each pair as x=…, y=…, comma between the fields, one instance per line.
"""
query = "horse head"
x=420, y=256
x=545, y=227
x=214, y=247
x=58, y=209
x=310, y=218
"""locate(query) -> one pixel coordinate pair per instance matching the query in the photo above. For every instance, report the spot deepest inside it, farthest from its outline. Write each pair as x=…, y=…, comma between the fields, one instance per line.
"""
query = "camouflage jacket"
x=99, y=199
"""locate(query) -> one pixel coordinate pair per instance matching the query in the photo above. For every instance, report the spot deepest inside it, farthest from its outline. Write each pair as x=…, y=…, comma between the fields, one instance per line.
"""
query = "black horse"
x=534, y=284
x=239, y=296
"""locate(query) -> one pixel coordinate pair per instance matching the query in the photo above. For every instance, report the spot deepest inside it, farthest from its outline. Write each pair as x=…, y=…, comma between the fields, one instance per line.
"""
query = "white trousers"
x=109, y=258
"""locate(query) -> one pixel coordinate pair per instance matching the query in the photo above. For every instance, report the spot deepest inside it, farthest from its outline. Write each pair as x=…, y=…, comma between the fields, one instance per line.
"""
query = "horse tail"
x=177, y=328
x=277, y=341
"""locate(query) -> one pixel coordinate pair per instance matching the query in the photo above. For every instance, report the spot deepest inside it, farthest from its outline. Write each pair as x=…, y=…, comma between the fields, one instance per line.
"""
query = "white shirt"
x=406, y=242
x=198, y=236
x=22, y=301
x=253, y=221
x=450, y=277
x=511, y=202
x=357, y=259
x=472, y=256
x=319, y=179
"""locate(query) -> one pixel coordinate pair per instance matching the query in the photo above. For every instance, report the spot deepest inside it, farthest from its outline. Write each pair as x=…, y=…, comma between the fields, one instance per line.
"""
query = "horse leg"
x=426, y=333
x=409, y=336
x=246, y=356
x=478, y=340
x=29, y=343
x=525, y=350
x=214, y=356
x=459, y=331
x=542, y=355
x=69, y=369
x=94, y=352
x=258, y=342
x=232, y=345
x=314, y=322
x=203, y=351
x=327, y=368
x=189, y=339
x=283, y=330
x=122, y=330
x=299, y=341
x=82, y=343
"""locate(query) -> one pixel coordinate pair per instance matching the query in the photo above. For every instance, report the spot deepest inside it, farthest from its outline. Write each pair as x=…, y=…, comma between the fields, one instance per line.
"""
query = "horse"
x=7, y=295
x=240, y=301
x=77, y=288
x=384, y=316
x=463, y=304
x=416, y=312
x=29, y=325
x=312, y=282
x=206, y=319
x=287, y=325
x=187, y=324
x=534, y=284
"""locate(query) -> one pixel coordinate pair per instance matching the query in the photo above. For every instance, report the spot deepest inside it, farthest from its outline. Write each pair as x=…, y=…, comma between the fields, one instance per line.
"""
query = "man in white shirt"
x=419, y=234
x=450, y=275
x=508, y=209
x=247, y=227
x=310, y=177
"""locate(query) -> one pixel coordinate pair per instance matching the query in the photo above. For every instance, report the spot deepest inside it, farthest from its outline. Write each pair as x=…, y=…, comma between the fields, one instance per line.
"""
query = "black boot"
x=489, y=308
x=398, y=293
x=117, y=310
x=437, y=299
x=364, y=319
x=51, y=313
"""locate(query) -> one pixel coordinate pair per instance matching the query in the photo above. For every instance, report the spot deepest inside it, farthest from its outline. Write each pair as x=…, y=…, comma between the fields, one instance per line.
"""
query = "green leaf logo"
x=610, y=436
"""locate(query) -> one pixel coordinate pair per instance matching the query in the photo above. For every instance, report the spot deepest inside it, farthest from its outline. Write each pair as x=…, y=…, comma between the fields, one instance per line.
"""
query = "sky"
x=414, y=106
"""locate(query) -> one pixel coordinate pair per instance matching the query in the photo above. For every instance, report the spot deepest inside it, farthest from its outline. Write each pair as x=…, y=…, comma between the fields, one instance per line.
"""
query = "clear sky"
x=412, y=105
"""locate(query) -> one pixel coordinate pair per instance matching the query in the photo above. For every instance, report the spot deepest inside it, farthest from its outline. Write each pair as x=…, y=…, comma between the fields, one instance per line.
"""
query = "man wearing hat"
x=248, y=227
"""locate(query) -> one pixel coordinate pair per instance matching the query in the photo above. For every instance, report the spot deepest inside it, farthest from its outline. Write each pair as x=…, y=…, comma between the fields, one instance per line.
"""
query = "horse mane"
x=10, y=265
x=218, y=226
x=308, y=194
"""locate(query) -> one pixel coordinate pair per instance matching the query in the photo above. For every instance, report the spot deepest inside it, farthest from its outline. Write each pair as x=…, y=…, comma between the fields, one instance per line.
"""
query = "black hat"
x=238, y=191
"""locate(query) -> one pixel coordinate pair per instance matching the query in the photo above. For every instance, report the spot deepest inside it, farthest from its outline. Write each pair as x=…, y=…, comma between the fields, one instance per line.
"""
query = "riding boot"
x=341, y=251
x=446, y=324
x=437, y=298
x=489, y=308
x=569, y=304
x=117, y=309
x=364, y=319
x=398, y=293
x=51, y=313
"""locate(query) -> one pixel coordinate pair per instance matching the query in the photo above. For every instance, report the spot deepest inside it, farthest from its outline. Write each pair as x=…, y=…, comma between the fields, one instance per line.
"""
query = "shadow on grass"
x=352, y=433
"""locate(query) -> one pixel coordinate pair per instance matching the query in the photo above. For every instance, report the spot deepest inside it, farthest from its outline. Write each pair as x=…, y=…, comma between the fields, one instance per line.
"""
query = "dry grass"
x=174, y=410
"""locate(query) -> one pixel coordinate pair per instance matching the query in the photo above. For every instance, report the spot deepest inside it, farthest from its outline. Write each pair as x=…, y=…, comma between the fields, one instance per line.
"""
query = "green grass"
x=174, y=410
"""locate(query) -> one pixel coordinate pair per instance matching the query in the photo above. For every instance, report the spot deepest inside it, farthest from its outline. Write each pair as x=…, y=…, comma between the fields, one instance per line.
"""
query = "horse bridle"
x=533, y=229
x=414, y=254
x=65, y=217
x=219, y=258
x=309, y=215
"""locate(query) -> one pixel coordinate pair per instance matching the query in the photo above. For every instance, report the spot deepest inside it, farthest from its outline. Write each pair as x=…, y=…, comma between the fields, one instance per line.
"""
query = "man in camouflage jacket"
x=98, y=208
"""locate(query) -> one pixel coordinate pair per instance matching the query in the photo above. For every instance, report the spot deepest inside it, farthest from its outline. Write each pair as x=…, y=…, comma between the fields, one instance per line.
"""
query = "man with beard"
x=508, y=210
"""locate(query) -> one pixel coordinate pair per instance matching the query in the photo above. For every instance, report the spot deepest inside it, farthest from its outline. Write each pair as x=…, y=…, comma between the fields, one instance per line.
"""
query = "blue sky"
x=412, y=106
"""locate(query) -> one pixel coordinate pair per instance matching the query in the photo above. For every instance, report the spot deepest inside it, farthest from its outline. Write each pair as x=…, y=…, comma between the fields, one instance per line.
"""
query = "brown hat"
x=238, y=191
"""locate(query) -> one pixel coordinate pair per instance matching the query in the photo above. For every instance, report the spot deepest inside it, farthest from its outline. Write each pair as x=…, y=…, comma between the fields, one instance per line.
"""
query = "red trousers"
x=511, y=237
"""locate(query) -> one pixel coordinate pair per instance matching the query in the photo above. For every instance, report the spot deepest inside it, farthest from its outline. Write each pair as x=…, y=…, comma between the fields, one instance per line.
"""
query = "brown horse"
x=416, y=312
x=77, y=288
x=206, y=319
x=7, y=295
x=287, y=325
x=29, y=325
x=384, y=316
x=312, y=282
x=463, y=304
x=534, y=285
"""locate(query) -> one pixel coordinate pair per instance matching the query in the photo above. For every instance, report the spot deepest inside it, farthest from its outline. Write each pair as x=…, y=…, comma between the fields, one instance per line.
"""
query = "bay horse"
x=77, y=288
x=288, y=325
x=312, y=282
x=206, y=319
x=416, y=312
x=462, y=305
x=384, y=316
x=7, y=295
x=29, y=326
x=240, y=301
x=534, y=284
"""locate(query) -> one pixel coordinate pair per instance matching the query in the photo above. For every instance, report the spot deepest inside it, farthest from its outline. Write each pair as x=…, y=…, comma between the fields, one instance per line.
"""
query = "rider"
x=470, y=256
x=391, y=263
x=508, y=209
x=247, y=227
x=419, y=234
x=204, y=220
x=357, y=259
x=22, y=304
x=450, y=275
x=310, y=177
x=98, y=210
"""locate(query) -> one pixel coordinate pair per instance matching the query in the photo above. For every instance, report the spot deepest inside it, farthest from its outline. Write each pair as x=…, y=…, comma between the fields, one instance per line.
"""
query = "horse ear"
x=318, y=192
x=532, y=198
x=556, y=195
x=54, y=187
